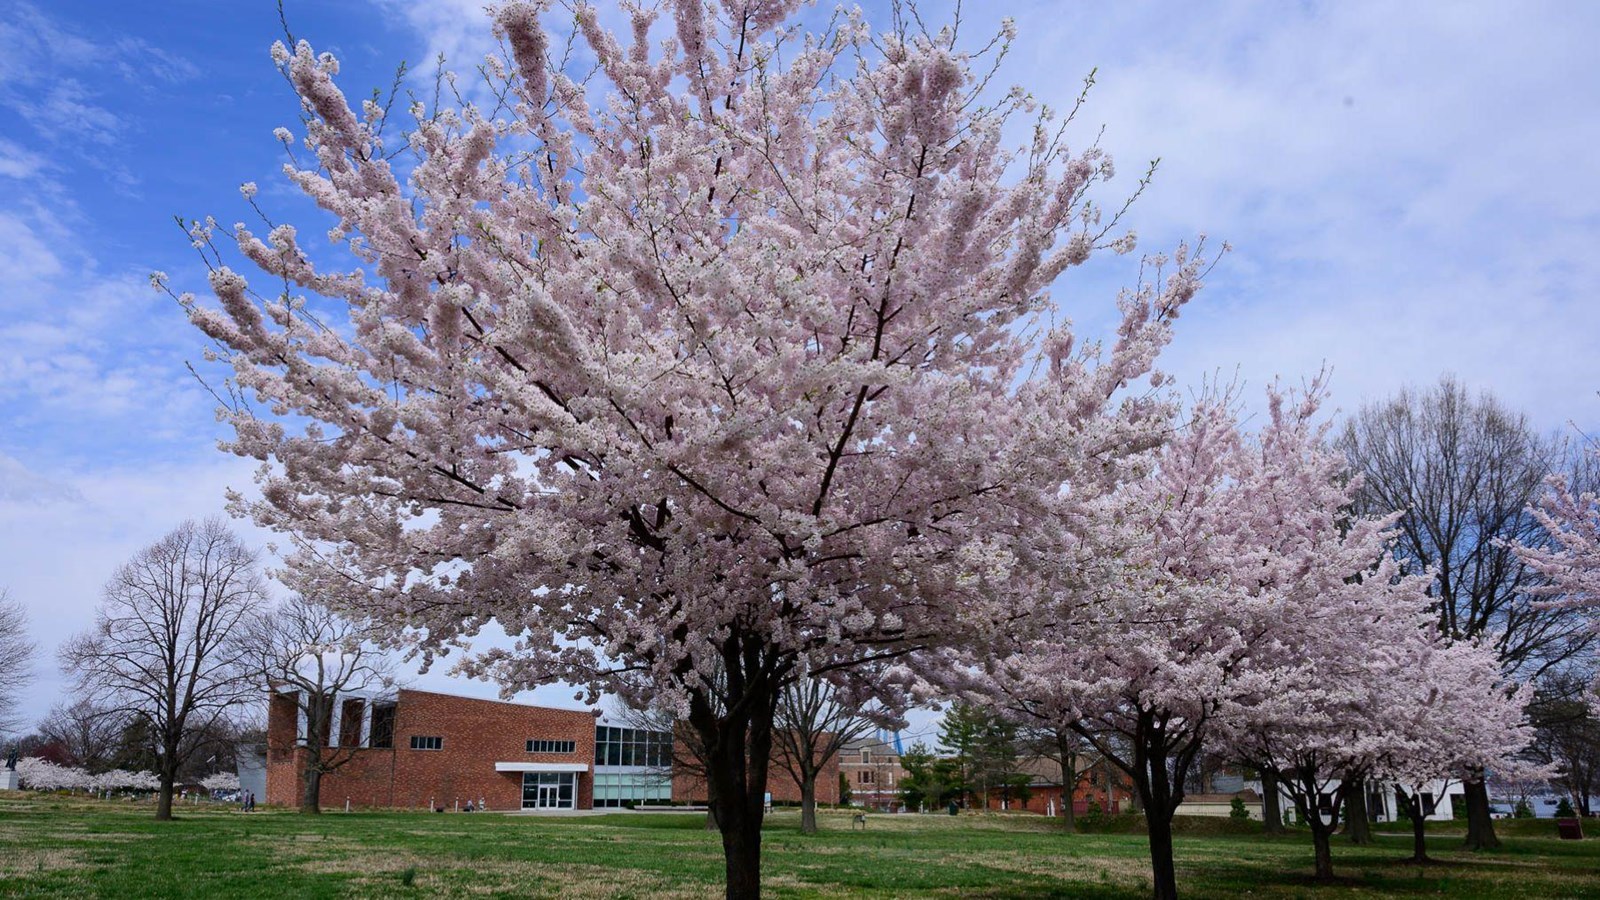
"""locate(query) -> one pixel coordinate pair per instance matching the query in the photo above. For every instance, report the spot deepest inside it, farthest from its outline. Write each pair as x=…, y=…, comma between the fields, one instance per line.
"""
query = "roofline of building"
x=518, y=703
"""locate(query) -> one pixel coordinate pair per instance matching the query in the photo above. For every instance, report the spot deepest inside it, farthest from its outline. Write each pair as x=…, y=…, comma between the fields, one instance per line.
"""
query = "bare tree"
x=89, y=734
x=167, y=647
x=1463, y=470
x=327, y=665
x=815, y=719
x=1072, y=752
x=1567, y=735
x=687, y=759
x=16, y=660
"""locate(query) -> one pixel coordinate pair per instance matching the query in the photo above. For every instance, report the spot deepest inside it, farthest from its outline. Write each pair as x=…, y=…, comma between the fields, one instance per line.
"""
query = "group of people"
x=247, y=801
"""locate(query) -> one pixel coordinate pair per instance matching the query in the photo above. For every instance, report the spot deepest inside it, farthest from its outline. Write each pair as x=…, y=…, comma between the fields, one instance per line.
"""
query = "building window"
x=350, y=722
x=638, y=747
x=418, y=742
x=864, y=776
x=382, y=733
x=866, y=756
x=552, y=746
x=617, y=789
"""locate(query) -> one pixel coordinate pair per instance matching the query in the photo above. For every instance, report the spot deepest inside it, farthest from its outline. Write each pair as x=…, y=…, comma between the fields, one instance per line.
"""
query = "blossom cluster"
x=42, y=775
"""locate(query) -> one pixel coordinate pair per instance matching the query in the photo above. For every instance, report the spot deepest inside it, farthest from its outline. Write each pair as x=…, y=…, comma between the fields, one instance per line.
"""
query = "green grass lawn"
x=59, y=847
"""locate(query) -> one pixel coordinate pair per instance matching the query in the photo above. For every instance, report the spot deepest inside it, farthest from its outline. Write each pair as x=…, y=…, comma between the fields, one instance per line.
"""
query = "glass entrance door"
x=549, y=790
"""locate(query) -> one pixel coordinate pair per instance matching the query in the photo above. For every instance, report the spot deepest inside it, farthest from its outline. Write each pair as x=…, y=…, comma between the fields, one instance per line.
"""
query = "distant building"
x=1098, y=783
x=872, y=768
x=250, y=763
x=422, y=748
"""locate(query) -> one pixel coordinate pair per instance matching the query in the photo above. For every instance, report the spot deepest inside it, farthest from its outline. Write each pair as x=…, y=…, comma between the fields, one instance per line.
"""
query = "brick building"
x=420, y=748
x=688, y=786
x=872, y=767
x=1098, y=782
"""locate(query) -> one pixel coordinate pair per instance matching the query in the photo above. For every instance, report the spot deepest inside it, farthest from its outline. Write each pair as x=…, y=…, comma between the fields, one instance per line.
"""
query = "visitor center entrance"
x=549, y=790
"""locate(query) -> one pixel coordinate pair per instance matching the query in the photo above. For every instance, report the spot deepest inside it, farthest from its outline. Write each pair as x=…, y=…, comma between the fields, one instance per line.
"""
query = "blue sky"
x=1410, y=189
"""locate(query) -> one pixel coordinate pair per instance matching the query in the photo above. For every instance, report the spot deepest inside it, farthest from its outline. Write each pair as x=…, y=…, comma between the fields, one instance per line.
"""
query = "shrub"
x=1564, y=809
x=1237, y=810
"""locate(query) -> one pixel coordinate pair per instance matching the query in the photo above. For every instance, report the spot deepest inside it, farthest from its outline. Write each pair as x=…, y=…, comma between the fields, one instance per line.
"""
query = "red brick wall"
x=1091, y=788
x=476, y=733
x=689, y=787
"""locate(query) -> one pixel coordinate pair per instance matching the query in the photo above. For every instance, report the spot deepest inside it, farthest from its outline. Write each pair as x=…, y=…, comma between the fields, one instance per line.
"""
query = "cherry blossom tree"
x=42, y=775
x=1193, y=612
x=1463, y=470
x=732, y=376
x=221, y=781
x=1570, y=556
x=1378, y=695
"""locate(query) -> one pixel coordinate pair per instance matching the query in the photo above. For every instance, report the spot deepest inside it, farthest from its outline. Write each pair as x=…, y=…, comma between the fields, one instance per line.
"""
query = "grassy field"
x=59, y=847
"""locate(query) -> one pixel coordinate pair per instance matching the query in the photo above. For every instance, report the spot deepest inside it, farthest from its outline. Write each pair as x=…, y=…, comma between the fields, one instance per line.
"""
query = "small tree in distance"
x=304, y=649
x=89, y=734
x=814, y=723
x=167, y=647
x=17, y=653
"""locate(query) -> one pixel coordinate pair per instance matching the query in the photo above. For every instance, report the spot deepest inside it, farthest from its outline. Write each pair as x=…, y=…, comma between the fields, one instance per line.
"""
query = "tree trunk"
x=1069, y=780
x=311, y=797
x=1320, y=840
x=1357, y=827
x=1271, y=805
x=1310, y=805
x=738, y=752
x=1419, y=834
x=164, y=799
x=1480, y=824
x=741, y=848
x=808, y=803
x=167, y=772
x=1156, y=795
x=1165, y=875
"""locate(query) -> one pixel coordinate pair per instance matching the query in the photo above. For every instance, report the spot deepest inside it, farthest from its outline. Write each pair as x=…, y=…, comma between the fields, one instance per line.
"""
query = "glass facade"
x=548, y=790
x=630, y=788
x=632, y=747
x=631, y=766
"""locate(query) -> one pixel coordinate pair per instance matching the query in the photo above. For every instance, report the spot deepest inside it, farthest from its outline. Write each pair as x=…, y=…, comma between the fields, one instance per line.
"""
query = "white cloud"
x=21, y=485
x=1410, y=189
